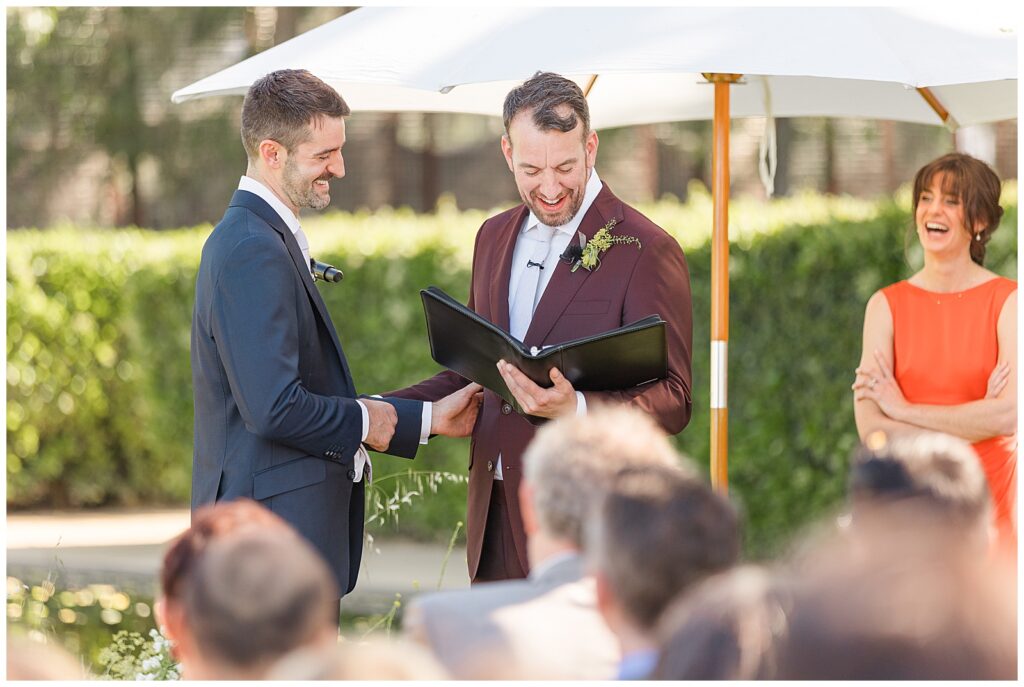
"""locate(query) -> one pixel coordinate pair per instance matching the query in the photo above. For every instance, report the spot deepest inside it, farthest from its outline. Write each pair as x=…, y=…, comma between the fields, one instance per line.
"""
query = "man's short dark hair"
x=282, y=105
x=658, y=533
x=543, y=94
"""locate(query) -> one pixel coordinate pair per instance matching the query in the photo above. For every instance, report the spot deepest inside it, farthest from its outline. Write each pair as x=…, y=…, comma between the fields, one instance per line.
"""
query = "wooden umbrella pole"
x=939, y=108
x=720, y=283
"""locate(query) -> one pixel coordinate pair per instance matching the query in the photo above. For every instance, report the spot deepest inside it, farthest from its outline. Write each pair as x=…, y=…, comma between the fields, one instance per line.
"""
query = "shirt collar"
x=590, y=192
x=249, y=184
x=638, y=665
x=551, y=562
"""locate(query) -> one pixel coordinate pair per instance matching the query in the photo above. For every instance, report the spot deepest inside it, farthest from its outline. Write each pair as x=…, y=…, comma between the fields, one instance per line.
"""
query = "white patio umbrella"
x=863, y=62
x=644, y=65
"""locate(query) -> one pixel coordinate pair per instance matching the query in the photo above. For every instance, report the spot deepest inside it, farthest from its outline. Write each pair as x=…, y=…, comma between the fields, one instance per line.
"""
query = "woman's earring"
x=977, y=237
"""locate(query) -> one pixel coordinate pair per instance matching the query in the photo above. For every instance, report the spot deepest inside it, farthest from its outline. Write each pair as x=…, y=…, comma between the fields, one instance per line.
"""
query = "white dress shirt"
x=559, y=242
x=362, y=458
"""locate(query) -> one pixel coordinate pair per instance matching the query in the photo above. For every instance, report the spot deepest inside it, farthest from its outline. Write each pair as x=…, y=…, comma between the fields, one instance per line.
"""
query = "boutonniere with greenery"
x=589, y=256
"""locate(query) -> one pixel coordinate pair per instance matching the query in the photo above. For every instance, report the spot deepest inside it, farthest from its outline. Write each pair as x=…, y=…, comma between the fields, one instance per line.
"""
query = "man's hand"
x=550, y=403
x=455, y=414
x=383, y=419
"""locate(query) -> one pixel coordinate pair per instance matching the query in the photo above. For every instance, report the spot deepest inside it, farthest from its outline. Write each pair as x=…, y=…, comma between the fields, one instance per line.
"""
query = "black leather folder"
x=468, y=344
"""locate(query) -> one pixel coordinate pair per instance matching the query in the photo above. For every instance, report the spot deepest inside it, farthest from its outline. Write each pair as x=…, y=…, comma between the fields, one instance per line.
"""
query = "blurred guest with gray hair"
x=925, y=481
x=547, y=626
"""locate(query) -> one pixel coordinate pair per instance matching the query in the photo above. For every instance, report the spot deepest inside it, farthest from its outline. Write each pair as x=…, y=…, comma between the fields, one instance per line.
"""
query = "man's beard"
x=300, y=191
x=575, y=202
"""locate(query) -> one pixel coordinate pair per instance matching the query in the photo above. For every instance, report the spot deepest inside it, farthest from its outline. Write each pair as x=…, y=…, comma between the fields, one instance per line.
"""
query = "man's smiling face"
x=551, y=167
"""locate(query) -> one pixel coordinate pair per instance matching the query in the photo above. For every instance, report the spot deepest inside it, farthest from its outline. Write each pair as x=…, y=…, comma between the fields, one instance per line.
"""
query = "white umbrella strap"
x=768, y=154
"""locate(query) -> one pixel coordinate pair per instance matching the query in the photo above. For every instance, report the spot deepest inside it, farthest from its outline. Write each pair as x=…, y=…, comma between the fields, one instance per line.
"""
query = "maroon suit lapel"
x=564, y=282
x=502, y=268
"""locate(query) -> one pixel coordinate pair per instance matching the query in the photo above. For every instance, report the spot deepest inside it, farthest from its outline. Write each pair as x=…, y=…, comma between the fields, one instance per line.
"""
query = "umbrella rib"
x=590, y=84
x=936, y=105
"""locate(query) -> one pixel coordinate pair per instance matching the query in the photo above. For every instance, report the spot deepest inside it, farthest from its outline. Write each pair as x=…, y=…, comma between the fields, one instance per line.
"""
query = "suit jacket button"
x=352, y=474
x=490, y=466
x=506, y=408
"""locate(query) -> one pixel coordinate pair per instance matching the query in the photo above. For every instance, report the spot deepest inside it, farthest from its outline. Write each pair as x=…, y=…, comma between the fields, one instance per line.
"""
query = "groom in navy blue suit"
x=277, y=418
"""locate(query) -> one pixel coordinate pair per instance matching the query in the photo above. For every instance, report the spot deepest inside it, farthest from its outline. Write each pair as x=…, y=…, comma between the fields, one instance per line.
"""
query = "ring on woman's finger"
x=873, y=382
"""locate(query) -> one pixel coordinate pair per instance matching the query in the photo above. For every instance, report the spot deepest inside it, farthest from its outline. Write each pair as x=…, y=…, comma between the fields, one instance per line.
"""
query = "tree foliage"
x=94, y=83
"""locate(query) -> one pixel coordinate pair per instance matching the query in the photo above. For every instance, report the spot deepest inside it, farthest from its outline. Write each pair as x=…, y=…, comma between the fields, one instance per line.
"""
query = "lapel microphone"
x=325, y=272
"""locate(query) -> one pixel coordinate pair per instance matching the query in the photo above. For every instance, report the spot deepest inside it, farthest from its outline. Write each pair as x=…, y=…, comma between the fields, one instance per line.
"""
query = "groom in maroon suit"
x=523, y=281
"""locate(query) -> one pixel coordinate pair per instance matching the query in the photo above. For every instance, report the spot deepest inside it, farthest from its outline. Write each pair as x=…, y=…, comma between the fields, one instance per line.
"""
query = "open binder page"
x=468, y=344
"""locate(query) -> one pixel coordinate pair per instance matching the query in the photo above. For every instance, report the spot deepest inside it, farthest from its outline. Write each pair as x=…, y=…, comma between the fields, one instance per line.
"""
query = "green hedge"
x=99, y=389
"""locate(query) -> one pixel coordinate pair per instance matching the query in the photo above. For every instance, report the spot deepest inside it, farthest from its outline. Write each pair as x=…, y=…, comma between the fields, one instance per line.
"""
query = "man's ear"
x=506, y=149
x=591, y=147
x=272, y=153
x=171, y=623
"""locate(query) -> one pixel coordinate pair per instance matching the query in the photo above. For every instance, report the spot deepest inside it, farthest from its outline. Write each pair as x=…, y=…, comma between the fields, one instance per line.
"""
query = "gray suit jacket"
x=544, y=627
x=276, y=418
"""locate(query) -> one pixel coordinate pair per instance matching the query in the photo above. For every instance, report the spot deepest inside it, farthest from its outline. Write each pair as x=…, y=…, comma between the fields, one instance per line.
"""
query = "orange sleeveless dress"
x=945, y=347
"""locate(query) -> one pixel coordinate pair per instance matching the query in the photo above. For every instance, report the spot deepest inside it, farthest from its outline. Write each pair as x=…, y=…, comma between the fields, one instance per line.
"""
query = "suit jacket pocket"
x=586, y=308
x=289, y=476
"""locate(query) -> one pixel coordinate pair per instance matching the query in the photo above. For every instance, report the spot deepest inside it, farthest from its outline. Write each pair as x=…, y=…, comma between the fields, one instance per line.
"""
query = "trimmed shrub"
x=99, y=397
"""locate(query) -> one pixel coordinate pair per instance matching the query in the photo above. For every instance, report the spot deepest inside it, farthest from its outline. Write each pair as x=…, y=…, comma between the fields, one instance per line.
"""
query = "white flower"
x=145, y=676
x=154, y=634
x=151, y=663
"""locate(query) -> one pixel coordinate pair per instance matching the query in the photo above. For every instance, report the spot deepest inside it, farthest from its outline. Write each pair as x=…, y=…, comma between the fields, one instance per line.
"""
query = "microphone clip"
x=325, y=272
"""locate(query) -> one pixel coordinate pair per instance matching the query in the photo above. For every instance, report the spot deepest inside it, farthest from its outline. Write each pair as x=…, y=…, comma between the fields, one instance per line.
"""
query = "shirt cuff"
x=581, y=404
x=366, y=420
x=428, y=417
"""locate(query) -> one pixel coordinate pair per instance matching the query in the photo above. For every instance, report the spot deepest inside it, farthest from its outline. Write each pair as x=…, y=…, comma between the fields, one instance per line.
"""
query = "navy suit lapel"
x=564, y=282
x=252, y=202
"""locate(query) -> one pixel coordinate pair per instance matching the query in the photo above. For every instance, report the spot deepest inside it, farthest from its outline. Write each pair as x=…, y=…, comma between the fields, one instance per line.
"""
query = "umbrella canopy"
x=802, y=61
x=644, y=65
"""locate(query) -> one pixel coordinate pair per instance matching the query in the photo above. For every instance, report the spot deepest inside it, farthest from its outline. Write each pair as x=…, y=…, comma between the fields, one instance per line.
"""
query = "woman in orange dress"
x=940, y=348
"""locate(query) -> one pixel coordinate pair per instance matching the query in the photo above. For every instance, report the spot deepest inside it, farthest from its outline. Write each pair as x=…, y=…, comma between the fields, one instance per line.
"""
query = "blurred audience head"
x=208, y=524
x=28, y=659
x=728, y=628
x=925, y=483
x=906, y=610
x=253, y=597
x=572, y=461
x=657, y=533
x=372, y=660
